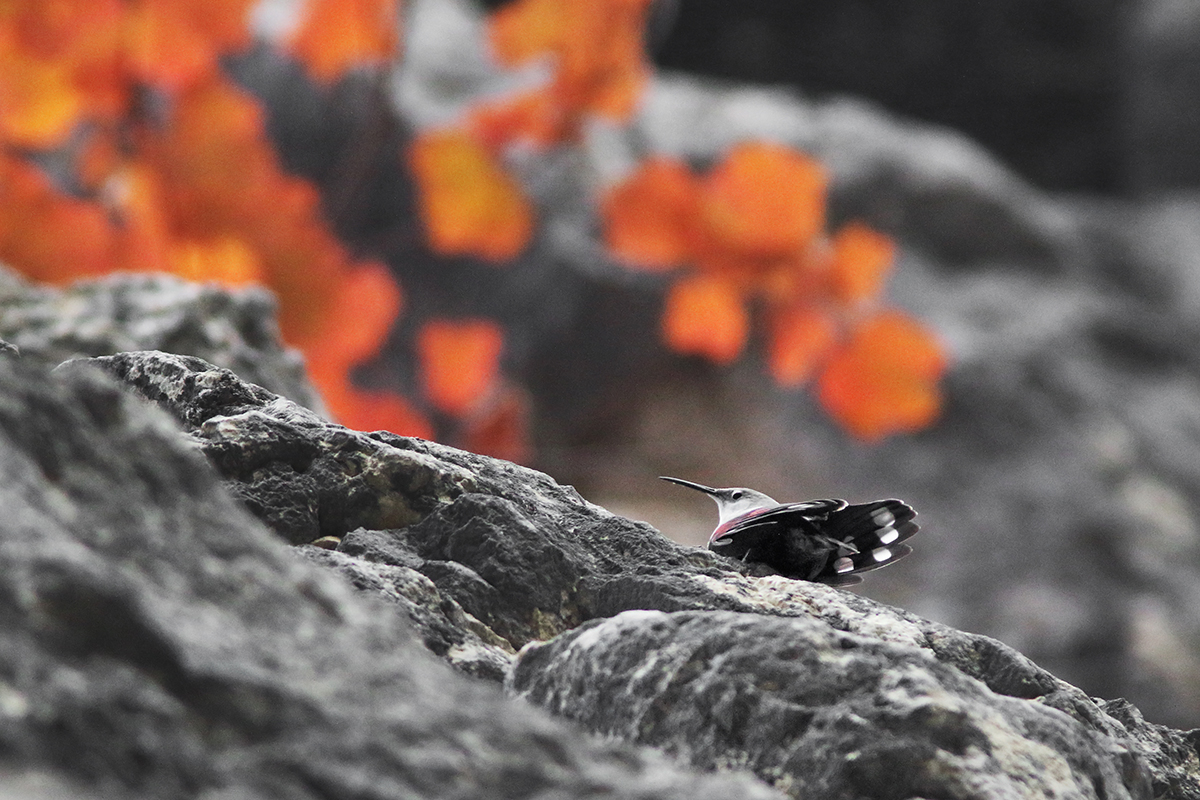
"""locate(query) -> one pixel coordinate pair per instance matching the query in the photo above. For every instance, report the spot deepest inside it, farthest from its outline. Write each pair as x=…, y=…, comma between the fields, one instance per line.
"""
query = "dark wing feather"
x=877, y=530
x=804, y=540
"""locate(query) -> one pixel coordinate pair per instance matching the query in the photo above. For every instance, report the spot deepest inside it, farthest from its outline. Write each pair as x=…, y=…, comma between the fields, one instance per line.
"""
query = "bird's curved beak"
x=699, y=487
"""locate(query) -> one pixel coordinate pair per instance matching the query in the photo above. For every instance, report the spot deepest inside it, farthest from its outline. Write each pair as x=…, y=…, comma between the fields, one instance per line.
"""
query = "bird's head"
x=732, y=502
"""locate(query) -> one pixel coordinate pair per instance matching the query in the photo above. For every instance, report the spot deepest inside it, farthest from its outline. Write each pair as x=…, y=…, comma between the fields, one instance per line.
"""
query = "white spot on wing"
x=888, y=535
x=883, y=517
x=881, y=554
x=843, y=564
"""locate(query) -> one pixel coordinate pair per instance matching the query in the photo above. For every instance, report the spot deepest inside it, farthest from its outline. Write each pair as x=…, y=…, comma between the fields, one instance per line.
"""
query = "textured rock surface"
x=233, y=328
x=480, y=528
x=516, y=558
x=819, y=712
x=444, y=628
x=156, y=640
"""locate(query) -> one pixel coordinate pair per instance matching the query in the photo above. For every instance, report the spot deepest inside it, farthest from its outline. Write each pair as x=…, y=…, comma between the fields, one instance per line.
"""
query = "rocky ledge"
x=169, y=629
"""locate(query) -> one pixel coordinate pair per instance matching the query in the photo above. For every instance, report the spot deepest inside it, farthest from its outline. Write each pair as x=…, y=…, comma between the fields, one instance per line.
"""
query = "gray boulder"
x=233, y=328
x=158, y=641
x=820, y=712
x=514, y=559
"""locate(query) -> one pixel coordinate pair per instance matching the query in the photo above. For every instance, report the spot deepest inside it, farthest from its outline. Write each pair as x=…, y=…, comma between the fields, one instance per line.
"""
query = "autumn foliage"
x=751, y=231
x=336, y=36
x=471, y=205
x=598, y=68
x=176, y=174
x=163, y=164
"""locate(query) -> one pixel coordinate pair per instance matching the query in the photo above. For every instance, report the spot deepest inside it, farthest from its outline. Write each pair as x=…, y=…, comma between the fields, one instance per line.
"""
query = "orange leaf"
x=365, y=410
x=616, y=96
x=62, y=30
x=39, y=101
x=221, y=180
x=226, y=260
x=373, y=411
x=525, y=29
x=56, y=58
x=469, y=204
x=601, y=62
x=648, y=216
x=162, y=51
x=884, y=380
x=764, y=201
x=459, y=362
x=336, y=36
x=174, y=43
x=596, y=49
x=533, y=116
x=800, y=338
x=862, y=258
x=219, y=173
x=97, y=159
x=366, y=302
x=801, y=278
x=145, y=239
x=706, y=316
x=46, y=234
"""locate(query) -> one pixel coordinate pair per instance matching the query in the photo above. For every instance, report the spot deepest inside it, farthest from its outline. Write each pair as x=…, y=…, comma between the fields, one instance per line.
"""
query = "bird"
x=827, y=541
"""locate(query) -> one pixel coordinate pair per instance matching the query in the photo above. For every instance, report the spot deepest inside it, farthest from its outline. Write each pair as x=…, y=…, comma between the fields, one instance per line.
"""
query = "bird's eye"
x=737, y=495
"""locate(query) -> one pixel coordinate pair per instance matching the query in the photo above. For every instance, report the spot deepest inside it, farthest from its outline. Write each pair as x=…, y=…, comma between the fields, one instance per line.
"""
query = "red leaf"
x=706, y=316
x=801, y=337
x=459, y=362
x=862, y=258
x=648, y=217
x=884, y=380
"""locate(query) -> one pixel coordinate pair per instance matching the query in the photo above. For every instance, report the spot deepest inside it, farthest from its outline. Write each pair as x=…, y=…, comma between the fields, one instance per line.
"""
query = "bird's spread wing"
x=822, y=540
x=877, y=530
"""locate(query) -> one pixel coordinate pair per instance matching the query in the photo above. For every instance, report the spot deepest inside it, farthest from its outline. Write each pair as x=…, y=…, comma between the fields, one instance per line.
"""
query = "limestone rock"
x=234, y=328
x=819, y=712
x=158, y=641
x=523, y=560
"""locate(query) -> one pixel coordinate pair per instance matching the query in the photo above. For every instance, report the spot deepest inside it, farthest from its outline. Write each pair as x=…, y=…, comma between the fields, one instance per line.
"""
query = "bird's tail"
x=872, y=535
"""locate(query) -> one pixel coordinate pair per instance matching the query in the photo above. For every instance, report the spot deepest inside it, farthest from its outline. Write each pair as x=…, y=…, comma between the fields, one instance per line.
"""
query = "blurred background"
x=1034, y=165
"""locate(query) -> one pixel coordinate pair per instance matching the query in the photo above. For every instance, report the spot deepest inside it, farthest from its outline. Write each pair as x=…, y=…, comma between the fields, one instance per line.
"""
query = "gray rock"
x=233, y=328
x=481, y=528
x=305, y=477
x=1161, y=90
x=449, y=632
x=819, y=712
x=1174, y=756
x=156, y=640
x=527, y=560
